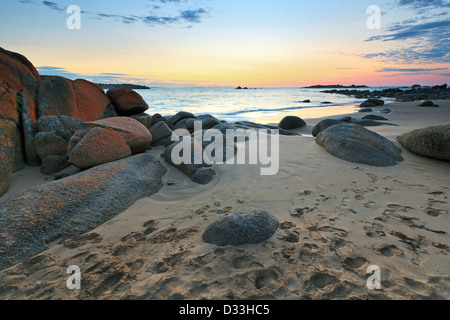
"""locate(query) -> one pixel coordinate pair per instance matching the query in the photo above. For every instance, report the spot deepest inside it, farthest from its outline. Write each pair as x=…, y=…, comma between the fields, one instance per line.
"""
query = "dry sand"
x=336, y=219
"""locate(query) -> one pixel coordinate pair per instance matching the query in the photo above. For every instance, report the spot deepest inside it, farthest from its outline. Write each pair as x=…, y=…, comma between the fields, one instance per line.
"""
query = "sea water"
x=231, y=104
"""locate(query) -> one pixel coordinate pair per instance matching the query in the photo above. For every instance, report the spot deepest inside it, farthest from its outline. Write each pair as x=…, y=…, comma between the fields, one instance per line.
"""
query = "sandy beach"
x=336, y=218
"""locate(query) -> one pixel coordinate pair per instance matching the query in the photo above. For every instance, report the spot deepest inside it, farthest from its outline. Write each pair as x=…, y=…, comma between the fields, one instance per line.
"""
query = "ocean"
x=255, y=104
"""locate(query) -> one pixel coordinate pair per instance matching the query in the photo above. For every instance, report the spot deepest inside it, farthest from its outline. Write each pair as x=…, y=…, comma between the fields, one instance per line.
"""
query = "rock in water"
x=97, y=146
x=127, y=101
x=433, y=142
x=291, y=122
x=245, y=226
x=357, y=144
x=73, y=206
x=6, y=161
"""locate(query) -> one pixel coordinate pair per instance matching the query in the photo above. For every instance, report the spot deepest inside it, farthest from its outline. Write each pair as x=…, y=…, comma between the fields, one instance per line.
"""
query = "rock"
x=17, y=74
x=161, y=134
x=366, y=110
x=15, y=133
x=189, y=166
x=127, y=101
x=244, y=226
x=158, y=118
x=433, y=142
x=53, y=164
x=73, y=206
x=208, y=121
x=428, y=104
x=135, y=134
x=370, y=103
x=97, y=146
x=19, y=81
x=291, y=122
x=324, y=124
x=306, y=101
x=62, y=126
x=355, y=143
x=370, y=123
x=79, y=99
x=345, y=119
x=327, y=102
x=180, y=116
x=203, y=175
x=377, y=102
x=110, y=112
x=143, y=118
x=49, y=144
x=386, y=111
x=6, y=161
x=374, y=117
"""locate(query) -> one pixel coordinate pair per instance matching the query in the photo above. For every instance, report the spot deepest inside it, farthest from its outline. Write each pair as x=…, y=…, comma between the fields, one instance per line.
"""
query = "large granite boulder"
x=161, y=134
x=19, y=82
x=62, y=126
x=48, y=144
x=357, y=144
x=244, y=226
x=6, y=160
x=74, y=205
x=97, y=146
x=135, y=134
x=79, y=99
x=126, y=101
x=433, y=142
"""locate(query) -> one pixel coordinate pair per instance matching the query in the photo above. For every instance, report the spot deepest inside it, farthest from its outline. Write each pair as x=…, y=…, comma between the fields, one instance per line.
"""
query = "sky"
x=254, y=43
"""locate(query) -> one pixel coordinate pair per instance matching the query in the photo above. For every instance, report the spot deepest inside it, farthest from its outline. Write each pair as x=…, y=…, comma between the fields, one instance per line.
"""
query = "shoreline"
x=336, y=219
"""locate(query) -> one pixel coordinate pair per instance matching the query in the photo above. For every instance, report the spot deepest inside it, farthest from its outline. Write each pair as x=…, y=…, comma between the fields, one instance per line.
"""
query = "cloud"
x=53, y=6
x=419, y=4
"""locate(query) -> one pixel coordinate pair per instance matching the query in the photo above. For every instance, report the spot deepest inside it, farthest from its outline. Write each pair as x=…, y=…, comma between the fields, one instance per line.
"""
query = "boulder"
x=208, y=121
x=95, y=147
x=433, y=142
x=79, y=99
x=161, y=135
x=19, y=82
x=158, y=118
x=53, y=164
x=322, y=125
x=370, y=103
x=386, y=111
x=15, y=133
x=135, y=134
x=127, y=101
x=291, y=122
x=6, y=160
x=16, y=74
x=428, y=104
x=62, y=126
x=48, y=144
x=244, y=226
x=143, y=118
x=355, y=143
x=74, y=205
x=366, y=110
x=180, y=116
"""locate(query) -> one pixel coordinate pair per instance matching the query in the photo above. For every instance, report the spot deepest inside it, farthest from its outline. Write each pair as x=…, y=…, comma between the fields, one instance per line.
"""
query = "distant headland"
x=122, y=85
x=333, y=86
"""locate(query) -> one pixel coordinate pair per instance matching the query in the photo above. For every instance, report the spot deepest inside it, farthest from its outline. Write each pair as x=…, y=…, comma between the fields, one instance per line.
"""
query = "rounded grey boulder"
x=357, y=144
x=291, y=122
x=244, y=226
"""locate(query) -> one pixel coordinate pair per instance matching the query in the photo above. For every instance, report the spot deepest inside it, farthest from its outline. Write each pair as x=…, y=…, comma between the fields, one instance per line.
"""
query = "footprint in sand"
x=308, y=253
x=370, y=204
x=322, y=279
x=355, y=263
x=88, y=238
x=264, y=277
x=107, y=284
x=390, y=251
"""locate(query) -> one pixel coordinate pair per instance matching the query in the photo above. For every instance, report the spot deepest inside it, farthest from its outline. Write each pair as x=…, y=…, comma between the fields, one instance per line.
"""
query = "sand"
x=336, y=219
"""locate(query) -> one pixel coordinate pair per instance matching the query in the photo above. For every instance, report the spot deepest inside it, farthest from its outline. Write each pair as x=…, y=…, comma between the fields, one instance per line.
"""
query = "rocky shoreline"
x=440, y=92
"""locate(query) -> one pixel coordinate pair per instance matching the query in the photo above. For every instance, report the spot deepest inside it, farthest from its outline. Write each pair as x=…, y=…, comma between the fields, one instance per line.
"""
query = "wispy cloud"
x=184, y=15
x=422, y=39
